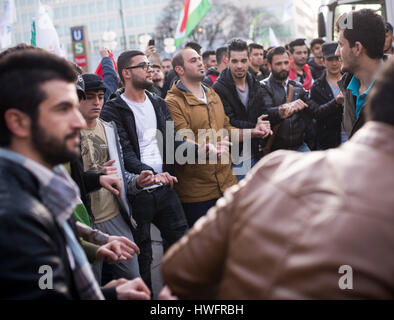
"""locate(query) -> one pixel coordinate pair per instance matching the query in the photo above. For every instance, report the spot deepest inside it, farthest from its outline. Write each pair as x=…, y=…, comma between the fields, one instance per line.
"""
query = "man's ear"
x=358, y=48
x=179, y=70
x=18, y=122
x=126, y=74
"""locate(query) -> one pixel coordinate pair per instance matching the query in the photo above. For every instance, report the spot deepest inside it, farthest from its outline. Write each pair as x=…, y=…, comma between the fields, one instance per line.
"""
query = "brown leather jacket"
x=199, y=182
x=286, y=231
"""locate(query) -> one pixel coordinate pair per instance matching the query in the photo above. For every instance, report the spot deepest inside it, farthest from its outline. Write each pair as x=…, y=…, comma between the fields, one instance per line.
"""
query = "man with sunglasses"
x=141, y=118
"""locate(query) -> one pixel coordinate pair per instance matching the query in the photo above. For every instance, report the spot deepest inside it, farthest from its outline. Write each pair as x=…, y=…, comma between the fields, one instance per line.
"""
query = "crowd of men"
x=89, y=161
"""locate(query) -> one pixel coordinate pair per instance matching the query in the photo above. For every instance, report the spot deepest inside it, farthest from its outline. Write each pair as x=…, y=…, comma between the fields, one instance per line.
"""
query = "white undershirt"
x=204, y=98
x=146, y=126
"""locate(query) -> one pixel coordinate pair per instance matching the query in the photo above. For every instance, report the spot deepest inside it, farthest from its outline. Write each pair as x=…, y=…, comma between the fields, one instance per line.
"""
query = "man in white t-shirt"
x=141, y=119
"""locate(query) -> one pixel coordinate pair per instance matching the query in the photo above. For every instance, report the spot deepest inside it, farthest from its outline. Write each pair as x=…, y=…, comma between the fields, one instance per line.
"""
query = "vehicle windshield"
x=343, y=8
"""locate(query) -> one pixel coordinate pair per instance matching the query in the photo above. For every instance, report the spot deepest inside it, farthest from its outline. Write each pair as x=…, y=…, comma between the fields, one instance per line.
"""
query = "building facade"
x=138, y=17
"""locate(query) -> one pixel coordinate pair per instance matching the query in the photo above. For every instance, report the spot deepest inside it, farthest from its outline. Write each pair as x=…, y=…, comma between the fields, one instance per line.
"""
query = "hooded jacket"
x=199, y=182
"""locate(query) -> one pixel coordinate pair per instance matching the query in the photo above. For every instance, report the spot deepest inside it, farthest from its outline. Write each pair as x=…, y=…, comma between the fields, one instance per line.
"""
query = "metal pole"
x=123, y=24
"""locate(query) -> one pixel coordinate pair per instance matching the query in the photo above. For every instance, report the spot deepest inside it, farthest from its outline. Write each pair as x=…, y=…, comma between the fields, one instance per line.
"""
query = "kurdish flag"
x=193, y=12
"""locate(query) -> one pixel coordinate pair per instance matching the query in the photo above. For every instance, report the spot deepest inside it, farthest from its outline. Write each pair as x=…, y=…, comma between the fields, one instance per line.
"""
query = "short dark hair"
x=22, y=74
x=254, y=45
x=368, y=28
x=237, y=45
x=18, y=47
x=276, y=51
x=177, y=60
x=208, y=53
x=379, y=104
x=220, y=53
x=124, y=60
x=194, y=45
x=296, y=43
x=166, y=59
x=316, y=41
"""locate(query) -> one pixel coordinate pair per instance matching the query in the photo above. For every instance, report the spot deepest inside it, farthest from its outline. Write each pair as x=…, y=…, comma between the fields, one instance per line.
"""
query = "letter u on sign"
x=77, y=35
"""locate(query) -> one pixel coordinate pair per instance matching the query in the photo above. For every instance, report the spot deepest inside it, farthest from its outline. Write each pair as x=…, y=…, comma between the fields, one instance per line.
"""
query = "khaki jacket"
x=199, y=182
x=288, y=228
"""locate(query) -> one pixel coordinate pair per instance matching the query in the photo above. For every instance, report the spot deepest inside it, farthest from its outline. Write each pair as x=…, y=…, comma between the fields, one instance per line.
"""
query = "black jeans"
x=196, y=210
x=162, y=208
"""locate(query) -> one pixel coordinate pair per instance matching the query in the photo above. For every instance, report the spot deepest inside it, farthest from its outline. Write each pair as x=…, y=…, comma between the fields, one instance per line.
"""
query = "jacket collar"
x=122, y=104
x=191, y=100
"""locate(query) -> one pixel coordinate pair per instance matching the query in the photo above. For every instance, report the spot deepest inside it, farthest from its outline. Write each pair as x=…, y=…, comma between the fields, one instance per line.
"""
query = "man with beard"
x=158, y=80
x=198, y=110
x=40, y=257
x=299, y=70
x=241, y=96
x=361, y=50
x=292, y=101
x=141, y=118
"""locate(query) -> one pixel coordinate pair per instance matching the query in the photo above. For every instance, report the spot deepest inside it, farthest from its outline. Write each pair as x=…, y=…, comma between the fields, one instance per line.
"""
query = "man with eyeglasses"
x=141, y=118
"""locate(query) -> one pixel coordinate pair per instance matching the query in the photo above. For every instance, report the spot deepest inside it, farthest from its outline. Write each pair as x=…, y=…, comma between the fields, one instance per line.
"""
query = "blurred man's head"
x=238, y=58
x=157, y=75
x=39, y=115
x=279, y=60
x=299, y=52
x=188, y=65
x=221, y=58
x=166, y=65
x=94, y=91
x=194, y=45
x=332, y=62
x=316, y=47
x=363, y=41
x=135, y=70
x=388, y=44
x=256, y=55
x=209, y=59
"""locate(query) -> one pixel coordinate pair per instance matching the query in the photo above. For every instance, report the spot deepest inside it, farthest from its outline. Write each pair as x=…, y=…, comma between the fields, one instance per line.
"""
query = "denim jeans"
x=302, y=148
x=196, y=210
x=246, y=164
x=163, y=208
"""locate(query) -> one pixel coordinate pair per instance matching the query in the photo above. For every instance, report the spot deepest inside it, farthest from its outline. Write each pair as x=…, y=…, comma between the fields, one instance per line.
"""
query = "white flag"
x=273, y=40
x=288, y=12
x=9, y=18
x=43, y=34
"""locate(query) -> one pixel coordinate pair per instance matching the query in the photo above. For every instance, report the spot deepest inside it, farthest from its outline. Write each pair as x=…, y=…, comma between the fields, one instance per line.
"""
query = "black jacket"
x=241, y=117
x=264, y=74
x=328, y=129
x=316, y=70
x=87, y=182
x=351, y=122
x=29, y=238
x=291, y=133
x=118, y=111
